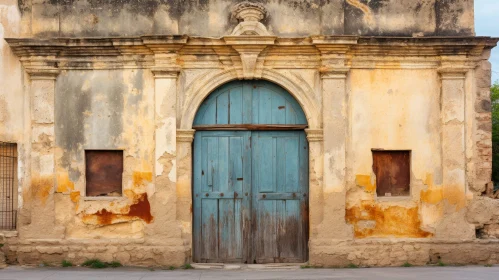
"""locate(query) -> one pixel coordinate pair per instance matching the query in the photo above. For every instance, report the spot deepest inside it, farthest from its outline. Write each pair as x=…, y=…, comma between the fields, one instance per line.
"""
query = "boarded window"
x=8, y=186
x=393, y=172
x=104, y=173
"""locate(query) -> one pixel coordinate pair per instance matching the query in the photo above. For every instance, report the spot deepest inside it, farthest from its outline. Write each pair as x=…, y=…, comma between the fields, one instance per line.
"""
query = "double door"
x=250, y=197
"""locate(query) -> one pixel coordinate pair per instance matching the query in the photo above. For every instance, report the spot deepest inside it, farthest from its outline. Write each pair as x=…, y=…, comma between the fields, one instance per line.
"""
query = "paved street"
x=419, y=273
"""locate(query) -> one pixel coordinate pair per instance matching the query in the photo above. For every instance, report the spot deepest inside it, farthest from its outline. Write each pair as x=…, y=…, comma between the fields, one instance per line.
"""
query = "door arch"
x=250, y=191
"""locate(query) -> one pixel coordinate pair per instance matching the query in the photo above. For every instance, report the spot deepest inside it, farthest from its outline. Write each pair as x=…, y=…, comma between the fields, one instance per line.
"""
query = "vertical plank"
x=264, y=108
x=247, y=100
x=236, y=177
x=223, y=108
x=209, y=228
x=210, y=114
x=292, y=173
x=212, y=162
x=278, y=109
x=226, y=228
x=291, y=117
x=236, y=105
x=280, y=162
x=222, y=172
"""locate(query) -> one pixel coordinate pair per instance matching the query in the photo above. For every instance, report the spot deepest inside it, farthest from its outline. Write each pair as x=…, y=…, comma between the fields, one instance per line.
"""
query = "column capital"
x=185, y=135
x=451, y=73
x=165, y=72
x=315, y=135
x=43, y=74
x=334, y=72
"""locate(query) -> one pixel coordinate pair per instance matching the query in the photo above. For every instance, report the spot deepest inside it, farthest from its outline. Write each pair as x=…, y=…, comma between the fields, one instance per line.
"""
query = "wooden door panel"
x=222, y=178
x=279, y=188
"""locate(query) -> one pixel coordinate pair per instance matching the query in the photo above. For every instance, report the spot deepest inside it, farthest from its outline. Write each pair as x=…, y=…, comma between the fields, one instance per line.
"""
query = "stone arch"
x=202, y=88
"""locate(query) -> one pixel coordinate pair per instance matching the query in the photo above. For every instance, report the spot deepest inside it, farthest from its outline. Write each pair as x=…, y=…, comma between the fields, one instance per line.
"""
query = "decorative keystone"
x=249, y=15
x=249, y=11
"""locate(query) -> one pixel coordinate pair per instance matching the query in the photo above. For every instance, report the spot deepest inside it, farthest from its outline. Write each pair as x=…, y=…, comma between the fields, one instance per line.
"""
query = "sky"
x=487, y=24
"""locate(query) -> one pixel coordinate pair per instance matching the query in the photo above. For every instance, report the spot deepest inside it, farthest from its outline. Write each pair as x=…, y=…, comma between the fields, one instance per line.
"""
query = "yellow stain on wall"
x=140, y=178
x=391, y=221
x=41, y=188
x=365, y=182
x=454, y=195
x=434, y=194
x=64, y=184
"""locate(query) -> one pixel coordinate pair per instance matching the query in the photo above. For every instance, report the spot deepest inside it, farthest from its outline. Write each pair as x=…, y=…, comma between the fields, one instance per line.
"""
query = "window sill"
x=103, y=198
x=8, y=233
x=394, y=198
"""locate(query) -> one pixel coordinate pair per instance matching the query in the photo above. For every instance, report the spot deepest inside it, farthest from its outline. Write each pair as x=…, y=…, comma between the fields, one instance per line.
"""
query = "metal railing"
x=8, y=186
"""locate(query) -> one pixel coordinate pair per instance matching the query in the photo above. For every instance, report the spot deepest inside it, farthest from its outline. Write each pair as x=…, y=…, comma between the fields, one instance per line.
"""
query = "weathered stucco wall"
x=140, y=95
x=93, y=18
x=394, y=114
x=12, y=99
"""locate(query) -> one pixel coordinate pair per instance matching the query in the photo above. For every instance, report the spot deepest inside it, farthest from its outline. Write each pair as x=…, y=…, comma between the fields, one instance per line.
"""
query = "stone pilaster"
x=40, y=197
x=454, y=155
x=453, y=135
x=184, y=181
x=335, y=124
x=165, y=154
x=316, y=194
x=165, y=99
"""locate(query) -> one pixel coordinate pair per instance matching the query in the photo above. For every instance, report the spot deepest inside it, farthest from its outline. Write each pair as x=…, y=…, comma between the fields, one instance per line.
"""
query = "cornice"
x=271, y=51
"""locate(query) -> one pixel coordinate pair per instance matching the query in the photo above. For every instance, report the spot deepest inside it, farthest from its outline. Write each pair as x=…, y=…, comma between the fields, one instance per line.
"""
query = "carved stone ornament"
x=249, y=15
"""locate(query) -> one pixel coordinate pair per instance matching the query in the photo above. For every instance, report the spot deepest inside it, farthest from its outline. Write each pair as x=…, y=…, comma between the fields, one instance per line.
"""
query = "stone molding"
x=334, y=72
x=249, y=50
x=315, y=135
x=43, y=74
x=165, y=73
x=248, y=53
x=449, y=73
x=185, y=135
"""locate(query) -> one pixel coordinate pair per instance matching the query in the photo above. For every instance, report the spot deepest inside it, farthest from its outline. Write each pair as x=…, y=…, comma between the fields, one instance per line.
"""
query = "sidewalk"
x=416, y=273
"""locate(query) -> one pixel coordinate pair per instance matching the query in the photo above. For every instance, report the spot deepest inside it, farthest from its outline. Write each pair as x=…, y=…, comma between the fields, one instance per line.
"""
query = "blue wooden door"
x=250, y=191
x=280, y=196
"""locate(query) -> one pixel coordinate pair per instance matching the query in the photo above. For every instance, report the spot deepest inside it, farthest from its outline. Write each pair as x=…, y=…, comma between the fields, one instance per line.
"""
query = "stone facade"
x=392, y=75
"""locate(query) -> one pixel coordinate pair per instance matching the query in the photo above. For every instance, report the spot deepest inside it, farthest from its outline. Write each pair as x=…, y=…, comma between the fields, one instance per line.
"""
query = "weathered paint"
x=372, y=220
x=250, y=188
x=141, y=94
x=140, y=209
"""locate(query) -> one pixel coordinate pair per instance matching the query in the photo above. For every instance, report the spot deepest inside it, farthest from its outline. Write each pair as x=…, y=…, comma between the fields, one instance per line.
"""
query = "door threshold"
x=235, y=266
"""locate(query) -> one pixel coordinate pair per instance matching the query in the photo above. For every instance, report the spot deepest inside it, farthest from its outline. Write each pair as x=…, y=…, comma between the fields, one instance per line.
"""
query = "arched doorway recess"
x=250, y=194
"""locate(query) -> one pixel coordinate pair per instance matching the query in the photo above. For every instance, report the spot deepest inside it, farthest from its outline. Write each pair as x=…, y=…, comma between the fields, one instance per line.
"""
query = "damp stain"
x=64, y=184
x=391, y=221
x=365, y=182
x=41, y=188
x=141, y=178
x=141, y=209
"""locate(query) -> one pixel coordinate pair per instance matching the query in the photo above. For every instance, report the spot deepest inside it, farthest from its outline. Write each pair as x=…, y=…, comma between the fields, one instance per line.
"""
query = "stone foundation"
x=364, y=253
x=125, y=252
x=381, y=253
